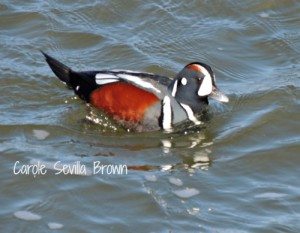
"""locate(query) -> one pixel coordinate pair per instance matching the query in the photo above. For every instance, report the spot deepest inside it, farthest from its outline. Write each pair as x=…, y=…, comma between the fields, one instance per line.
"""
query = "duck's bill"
x=218, y=95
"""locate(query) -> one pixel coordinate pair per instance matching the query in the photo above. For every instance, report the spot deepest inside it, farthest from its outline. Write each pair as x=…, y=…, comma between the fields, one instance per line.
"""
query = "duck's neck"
x=197, y=106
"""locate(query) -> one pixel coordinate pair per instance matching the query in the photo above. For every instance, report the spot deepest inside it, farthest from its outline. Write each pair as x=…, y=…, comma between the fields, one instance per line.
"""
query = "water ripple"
x=238, y=172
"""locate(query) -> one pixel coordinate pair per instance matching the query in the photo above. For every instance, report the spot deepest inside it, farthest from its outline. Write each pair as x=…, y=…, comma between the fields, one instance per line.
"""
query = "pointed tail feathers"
x=83, y=83
x=59, y=69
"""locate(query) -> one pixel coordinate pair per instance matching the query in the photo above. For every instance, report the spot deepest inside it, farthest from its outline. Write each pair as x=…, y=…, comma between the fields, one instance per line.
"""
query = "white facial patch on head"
x=183, y=81
x=206, y=85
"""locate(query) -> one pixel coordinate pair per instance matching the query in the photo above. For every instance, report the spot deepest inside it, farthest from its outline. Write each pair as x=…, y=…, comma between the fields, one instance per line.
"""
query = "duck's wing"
x=84, y=83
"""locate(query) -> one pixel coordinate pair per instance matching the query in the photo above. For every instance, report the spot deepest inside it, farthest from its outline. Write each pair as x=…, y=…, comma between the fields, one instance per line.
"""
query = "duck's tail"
x=61, y=70
x=83, y=83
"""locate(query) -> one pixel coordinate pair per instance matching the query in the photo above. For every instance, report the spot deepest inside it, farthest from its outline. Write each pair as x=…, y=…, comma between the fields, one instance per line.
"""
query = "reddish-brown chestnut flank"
x=123, y=101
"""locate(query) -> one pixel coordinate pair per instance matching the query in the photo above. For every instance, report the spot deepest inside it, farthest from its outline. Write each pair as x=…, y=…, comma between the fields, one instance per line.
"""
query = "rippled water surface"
x=238, y=173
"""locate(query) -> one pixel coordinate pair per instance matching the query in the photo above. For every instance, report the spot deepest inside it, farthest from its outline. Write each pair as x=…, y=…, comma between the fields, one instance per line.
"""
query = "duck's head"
x=194, y=84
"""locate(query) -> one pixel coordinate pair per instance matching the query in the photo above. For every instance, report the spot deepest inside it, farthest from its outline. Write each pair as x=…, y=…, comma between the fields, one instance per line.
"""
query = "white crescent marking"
x=206, y=85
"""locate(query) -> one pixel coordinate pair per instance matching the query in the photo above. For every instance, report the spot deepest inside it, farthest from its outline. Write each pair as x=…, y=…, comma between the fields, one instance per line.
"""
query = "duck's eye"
x=183, y=81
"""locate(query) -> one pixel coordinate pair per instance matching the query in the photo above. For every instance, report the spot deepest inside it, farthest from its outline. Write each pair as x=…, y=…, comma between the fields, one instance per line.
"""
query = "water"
x=238, y=173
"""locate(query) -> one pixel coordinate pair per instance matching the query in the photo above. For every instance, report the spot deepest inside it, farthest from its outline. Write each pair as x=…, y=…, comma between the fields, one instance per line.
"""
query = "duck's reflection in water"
x=186, y=149
x=194, y=151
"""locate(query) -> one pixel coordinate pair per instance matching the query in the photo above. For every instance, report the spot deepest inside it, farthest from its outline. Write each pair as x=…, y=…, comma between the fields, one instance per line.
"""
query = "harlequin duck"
x=144, y=101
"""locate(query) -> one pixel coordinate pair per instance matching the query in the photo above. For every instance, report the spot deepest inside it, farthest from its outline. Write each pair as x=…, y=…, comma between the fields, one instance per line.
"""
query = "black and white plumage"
x=144, y=101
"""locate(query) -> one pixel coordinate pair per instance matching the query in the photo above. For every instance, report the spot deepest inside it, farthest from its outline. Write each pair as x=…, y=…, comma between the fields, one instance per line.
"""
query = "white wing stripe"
x=109, y=78
x=102, y=79
x=104, y=76
x=105, y=81
x=138, y=81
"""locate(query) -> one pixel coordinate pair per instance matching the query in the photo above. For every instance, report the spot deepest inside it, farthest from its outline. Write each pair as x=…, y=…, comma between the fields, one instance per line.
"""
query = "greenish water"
x=241, y=169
